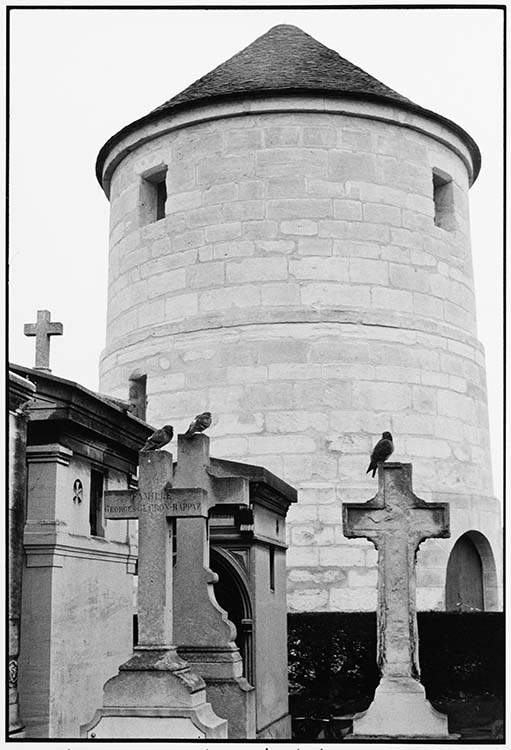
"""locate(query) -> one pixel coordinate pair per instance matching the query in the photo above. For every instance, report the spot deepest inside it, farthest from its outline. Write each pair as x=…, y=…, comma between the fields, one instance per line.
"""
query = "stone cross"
x=154, y=504
x=396, y=521
x=42, y=330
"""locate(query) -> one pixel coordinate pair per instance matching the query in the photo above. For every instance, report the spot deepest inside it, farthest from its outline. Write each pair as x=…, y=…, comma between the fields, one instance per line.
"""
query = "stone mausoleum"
x=290, y=249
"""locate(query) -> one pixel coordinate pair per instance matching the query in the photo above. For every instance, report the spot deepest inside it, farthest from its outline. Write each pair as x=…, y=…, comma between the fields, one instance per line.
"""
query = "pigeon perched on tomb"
x=381, y=451
x=199, y=424
x=159, y=438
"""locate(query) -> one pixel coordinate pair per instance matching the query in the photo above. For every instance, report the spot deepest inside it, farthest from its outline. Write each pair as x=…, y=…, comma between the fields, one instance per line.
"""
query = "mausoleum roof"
x=285, y=60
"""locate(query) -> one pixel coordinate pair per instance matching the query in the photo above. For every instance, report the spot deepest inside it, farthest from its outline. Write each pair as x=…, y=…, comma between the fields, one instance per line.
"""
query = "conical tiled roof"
x=283, y=59
x=286, y=60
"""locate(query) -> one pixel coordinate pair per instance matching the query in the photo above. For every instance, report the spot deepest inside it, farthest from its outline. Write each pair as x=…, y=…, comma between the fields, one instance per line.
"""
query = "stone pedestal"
x=155, y=696
x=400, y=710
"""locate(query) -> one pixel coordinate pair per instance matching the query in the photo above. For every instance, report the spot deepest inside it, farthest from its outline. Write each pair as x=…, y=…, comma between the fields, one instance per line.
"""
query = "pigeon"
x=199, y=424
x=381, y=451
x=159, y=438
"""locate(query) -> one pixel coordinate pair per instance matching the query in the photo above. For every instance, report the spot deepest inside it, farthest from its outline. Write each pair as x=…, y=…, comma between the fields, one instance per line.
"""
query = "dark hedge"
x=332, y=659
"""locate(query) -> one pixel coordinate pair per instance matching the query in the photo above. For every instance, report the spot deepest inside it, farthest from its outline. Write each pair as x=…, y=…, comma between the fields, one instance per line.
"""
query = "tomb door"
x=232, y=595
x=464, y=585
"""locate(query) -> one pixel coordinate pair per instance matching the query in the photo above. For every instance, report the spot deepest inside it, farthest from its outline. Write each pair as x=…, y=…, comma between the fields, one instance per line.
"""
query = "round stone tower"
x=290, y=249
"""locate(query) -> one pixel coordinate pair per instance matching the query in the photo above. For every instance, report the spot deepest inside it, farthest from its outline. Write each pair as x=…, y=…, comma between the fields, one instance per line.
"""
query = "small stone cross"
x=397, y=521
x=154, y=504
x=42, y=330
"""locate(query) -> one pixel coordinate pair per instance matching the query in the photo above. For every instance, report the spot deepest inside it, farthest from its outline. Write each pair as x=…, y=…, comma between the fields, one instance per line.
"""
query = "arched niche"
x=471, y=579
x=232, y=594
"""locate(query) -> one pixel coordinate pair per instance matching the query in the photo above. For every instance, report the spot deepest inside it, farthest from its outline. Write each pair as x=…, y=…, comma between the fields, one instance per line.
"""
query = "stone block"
x=320, y=494
x=256, y=270
x=286, y=187
x=302, y=557
x=312, y=534
x=355, y=140
x=294, y=371
x=329, y=394
x=368, y=271
x=319, y=136
x=242, y=140
x=217, y=169
x=406, y=238
x=188, y=240
x=352, y=600
x=287, y=135
x=221, y=299
x=391, y=299
x=398, y=254
x=330, y=514
x=427, y=448
x=348, y=210
x=220, y=194
x=381, y=213
x=268, y=396
x=204, y=216
x=246, y=374
x=292, y=421
x=407, y=277
x=373, y=193
x=237, y=424
x=243, y=211
x=457, y=316
x=234, y=249
x=356, y=249
x=398, y=374
x=344, y=166
x=181, y=306
x=225, y=398
x=256, y=230
x=366, y=578
x=307, y=600
x=414, y=424
x=314, y=246
x=284, y=247
x=417, y=221
x=325, y=188
x=424, y=399
x=302, y=514
x=381, y=396
x=428, y=306
x=331, y=269
x=164, y=283
x=438, y=379
x=225, y=231
x=285, y=293
x=281, y=444
x=151, y=313
x=420, y=258
x=251, y=190
x=230, y=446
x=347, y=442
x=334, y=229
x=321, y=295
x=183, y=201
x=299, y=226
x=368, y=232
x=273, y=162
x=205, y=274
x=298, y=208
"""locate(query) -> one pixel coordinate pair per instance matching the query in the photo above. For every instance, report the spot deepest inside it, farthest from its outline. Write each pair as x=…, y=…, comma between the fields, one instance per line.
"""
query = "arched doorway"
x=231, y=593
x=471, y=580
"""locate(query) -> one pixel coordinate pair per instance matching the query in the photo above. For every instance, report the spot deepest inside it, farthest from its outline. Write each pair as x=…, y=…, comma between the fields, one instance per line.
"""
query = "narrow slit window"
x=443, y=197
x=138, y=394
x=96, y=503
x=153, y=195
x=272, y=568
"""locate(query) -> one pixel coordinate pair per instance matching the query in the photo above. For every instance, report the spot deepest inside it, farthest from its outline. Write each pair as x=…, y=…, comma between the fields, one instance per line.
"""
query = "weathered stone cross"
x=154, y=504
x=42, y=330
x=397, y=521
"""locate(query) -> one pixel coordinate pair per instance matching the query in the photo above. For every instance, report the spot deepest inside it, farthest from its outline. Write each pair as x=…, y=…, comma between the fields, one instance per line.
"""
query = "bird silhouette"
x=159, y=438
x=200, y=423
x=381, y=451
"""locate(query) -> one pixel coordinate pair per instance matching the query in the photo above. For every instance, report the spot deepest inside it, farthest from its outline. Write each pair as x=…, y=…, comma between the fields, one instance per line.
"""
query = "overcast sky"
x=78, y=76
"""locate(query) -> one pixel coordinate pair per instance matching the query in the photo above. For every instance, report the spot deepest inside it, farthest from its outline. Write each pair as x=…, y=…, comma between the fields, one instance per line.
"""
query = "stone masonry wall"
x=299, y=288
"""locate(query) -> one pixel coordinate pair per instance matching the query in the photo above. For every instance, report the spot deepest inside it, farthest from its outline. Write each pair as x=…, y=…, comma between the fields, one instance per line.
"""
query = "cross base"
x=400, y=709
x=155, y=695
